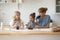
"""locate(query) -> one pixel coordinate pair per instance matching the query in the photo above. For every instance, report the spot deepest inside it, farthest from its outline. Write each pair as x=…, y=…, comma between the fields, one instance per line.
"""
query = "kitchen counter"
x=25, y=32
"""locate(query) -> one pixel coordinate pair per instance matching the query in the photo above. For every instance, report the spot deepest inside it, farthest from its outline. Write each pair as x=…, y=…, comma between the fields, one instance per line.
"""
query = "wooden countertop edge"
x=29, y=33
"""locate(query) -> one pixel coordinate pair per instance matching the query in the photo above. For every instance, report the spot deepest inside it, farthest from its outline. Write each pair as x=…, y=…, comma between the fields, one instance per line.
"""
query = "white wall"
x=7, y=12
x=27, y=7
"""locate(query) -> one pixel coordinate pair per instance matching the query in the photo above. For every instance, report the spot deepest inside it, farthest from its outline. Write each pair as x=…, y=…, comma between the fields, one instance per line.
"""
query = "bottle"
x=1, y=25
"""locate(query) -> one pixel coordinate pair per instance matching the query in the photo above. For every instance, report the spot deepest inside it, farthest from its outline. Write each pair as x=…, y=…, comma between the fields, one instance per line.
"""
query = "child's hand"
x=16, y=23
x=29, y=27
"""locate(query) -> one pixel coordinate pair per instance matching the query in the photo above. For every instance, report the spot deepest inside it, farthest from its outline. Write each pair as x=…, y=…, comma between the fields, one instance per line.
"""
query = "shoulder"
x=11, y=21
x=48, y=15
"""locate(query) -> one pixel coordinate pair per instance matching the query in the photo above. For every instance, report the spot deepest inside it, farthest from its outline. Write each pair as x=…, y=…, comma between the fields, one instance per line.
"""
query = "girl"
x=17, y=22
x=31, y=24
x=43, y=19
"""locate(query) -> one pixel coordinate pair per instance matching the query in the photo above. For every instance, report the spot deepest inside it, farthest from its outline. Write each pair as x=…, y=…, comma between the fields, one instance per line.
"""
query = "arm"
x=12, y=24
x=27, y=25
x=49, y=21
x=48, y=25
x=22, y=24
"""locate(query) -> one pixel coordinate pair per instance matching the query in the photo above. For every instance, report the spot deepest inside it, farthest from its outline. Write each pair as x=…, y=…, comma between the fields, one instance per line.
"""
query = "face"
x=17, y=15
x=41, y=14
x=31, y=18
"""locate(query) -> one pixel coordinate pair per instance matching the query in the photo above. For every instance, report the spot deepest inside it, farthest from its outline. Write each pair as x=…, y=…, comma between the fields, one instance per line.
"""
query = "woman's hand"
x=37, y=26
x=48, y=25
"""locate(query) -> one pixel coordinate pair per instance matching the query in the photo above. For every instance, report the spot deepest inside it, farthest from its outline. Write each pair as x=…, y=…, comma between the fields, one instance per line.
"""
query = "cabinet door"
x=2, y=1
x=58, y=9
x=15, y=1
x=57, y=6
x=57, y=2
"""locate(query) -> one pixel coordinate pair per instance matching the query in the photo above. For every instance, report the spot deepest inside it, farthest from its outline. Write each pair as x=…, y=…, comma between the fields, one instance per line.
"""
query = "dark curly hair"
x=33, y=15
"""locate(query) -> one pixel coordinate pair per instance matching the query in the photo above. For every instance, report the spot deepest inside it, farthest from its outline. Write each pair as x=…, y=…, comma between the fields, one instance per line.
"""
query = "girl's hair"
x=42, y=9
x=33, y=15
x=17, y=12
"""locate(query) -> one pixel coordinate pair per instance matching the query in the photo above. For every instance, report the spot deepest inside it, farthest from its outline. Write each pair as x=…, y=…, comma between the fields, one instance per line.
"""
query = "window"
x=57, y=6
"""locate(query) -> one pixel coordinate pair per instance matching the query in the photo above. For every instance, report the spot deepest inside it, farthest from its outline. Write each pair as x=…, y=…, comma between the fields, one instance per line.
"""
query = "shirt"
x=43, y=21
x=31, y=24
x=16, y=23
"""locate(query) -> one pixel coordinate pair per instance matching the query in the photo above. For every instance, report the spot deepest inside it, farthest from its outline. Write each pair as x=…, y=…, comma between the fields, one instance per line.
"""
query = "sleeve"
x=49, y=19
x=12, y=24
x=37, y=17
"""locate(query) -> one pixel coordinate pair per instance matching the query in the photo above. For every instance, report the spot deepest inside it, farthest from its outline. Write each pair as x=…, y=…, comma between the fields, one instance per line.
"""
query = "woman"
x=43, y=20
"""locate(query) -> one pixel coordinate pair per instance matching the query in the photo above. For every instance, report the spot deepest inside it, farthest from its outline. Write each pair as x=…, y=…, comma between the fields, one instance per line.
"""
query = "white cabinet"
x=2, y=1
x=10, y=1
x=58, y=6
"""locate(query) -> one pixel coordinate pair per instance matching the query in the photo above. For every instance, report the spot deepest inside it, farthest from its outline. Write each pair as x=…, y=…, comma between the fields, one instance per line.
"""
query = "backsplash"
x=27, y=7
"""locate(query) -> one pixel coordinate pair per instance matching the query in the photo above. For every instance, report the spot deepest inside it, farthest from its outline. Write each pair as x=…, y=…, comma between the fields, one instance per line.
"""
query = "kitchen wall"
x=27, y=7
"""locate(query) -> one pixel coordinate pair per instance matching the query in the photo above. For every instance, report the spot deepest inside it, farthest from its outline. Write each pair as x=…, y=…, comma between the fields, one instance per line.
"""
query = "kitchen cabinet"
x=58, y=6
x=10, y=1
